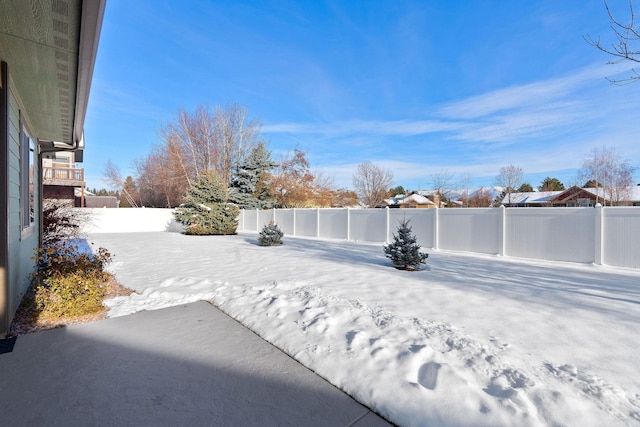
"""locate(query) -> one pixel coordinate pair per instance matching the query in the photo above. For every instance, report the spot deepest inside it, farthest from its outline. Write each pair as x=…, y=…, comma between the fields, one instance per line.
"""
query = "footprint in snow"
x=428, y=375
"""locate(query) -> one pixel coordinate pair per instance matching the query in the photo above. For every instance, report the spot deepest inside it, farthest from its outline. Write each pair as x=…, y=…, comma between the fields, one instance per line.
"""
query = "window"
x=585, y=202
x=27, y=179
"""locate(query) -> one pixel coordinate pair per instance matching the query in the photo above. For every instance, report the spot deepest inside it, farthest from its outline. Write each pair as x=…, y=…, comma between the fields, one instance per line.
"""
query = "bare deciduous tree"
x=443, y=183
x=371, y=183
x=480, y=198
x=114, y=178
x=161, y=178
x=211, y=139
x=342, y=198
x=510, y=178
x=626, y=47
x=607, y=170
x=208, y=139
x=237, y=135
x=292, y=181
x=464, y=185
x=295, y=186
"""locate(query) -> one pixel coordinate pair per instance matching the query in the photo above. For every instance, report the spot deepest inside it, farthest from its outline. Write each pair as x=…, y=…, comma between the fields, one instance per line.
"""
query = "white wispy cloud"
x=543, y=126
x=503, y=115
x=523, y=96
x=379, y=127
x=514, y=126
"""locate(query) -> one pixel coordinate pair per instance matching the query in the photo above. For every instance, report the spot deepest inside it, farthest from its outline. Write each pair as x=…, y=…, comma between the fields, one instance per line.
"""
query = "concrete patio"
x=184, y=365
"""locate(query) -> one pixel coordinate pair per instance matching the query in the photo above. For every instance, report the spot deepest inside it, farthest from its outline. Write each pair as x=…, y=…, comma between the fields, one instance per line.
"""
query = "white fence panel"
x=559, y=234
x=285, y=220
x=602, y=235
x=368, y=225
x=421, y=222
x=621, y=237
x=470, y=230
x=241, y=221
x=334, y=223
x=103, y=220
x=264, y=218
x=306, y=222
x=250, y=221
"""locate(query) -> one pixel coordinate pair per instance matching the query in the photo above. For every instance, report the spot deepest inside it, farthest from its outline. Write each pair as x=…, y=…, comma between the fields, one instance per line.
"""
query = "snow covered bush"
x=404, y=251
x=270, y=235
x=206, y=210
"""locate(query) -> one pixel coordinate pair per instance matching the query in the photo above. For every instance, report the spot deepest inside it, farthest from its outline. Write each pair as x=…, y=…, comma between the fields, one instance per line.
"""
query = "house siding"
x=21, y=243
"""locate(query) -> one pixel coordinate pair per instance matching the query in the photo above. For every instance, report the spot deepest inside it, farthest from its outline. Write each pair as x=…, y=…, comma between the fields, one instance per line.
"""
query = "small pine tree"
x=270, y=235
x=404, y=252
x=206, y=210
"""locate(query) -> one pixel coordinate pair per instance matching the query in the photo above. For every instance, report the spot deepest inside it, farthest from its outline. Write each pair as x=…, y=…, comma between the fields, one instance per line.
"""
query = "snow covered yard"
x=470, y=340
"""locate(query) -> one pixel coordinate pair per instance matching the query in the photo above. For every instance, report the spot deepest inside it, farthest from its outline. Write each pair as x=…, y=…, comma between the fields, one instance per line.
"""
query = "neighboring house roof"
x=631, y=194
x=575, y=193
x=458, y=195
x=51, y=47
x=78, y=192
x=417, y=199
x=528, y=198
x=404, y=200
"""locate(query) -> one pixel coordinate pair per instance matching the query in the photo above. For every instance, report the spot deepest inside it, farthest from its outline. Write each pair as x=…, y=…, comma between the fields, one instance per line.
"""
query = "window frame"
x=27, y=181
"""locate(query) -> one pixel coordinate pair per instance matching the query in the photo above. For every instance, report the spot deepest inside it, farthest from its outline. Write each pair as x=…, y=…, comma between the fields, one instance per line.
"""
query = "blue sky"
x=418, y=87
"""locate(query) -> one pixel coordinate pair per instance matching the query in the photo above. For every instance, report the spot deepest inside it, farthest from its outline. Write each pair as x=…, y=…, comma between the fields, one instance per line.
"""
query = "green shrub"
x=67, y=282
x=270, y=235
x=70, y=295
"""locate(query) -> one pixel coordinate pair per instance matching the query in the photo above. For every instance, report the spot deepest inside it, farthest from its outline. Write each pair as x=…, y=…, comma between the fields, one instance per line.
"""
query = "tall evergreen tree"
x=404, y=251
x=525, y=188
x=551, y=184
x=206, y=210
x=247, y=188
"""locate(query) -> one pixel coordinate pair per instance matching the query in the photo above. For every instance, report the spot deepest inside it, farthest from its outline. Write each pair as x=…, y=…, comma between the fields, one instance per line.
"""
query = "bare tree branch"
x=113, y=177
x=625, y=48
x=510, y=177
x=372, y=183
x=605, y=169
x=443, y=183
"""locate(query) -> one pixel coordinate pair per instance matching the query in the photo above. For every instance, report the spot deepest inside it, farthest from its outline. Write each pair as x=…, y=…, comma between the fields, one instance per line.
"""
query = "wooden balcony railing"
x=59, y=173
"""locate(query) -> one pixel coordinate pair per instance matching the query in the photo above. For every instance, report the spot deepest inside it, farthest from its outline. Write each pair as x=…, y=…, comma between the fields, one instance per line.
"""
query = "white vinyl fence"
x=127, y=220
x=609, y=235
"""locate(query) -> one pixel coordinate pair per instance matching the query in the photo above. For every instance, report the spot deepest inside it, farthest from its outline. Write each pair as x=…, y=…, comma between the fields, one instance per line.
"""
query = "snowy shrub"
x=270, y=235
x=404, y=252
x=206, y=210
